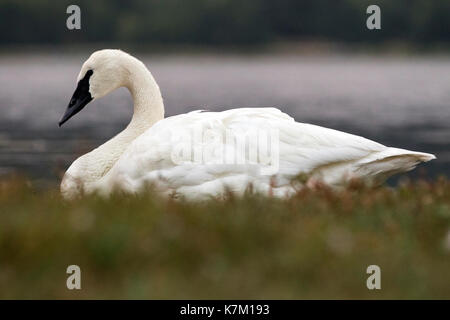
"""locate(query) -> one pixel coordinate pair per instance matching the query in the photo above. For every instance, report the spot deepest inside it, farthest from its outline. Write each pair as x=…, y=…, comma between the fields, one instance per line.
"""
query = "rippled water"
x=402, y=102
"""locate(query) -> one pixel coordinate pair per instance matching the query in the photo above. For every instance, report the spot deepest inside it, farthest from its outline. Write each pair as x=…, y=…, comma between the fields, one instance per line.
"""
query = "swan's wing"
x=168, y=153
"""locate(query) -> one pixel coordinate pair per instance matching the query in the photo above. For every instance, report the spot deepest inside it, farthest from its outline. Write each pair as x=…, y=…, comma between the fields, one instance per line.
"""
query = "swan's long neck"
x=148, y=109
x=148, y=103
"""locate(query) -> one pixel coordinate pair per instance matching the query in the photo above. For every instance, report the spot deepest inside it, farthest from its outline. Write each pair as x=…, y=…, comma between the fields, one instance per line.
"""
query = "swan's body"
x=148, y=151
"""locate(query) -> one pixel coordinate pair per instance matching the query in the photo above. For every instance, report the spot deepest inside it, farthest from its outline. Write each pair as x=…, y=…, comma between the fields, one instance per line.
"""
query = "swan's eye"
x=72, y=101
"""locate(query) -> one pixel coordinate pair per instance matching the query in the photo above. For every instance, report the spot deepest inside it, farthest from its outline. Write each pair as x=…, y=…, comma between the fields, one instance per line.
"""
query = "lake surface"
x=397, y=101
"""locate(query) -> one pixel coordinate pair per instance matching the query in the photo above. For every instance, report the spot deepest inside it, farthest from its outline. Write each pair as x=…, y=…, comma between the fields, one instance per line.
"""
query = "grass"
x=316, y=245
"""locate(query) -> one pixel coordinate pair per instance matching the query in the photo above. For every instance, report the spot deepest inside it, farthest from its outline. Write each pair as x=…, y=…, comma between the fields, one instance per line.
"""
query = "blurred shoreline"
x=304, y=47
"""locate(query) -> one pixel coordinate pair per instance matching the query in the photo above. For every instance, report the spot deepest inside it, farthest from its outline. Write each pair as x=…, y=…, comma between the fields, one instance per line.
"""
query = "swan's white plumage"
x=329, y=155
x=322, y=154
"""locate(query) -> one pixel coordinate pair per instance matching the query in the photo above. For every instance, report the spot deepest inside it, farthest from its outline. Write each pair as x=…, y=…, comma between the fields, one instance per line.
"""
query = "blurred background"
x=315, y=60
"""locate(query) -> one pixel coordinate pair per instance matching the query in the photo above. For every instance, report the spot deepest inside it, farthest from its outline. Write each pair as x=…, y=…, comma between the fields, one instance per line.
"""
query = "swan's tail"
x=381, y=165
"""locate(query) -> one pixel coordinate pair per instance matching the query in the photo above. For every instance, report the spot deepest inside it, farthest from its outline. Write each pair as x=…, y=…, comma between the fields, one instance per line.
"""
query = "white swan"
x=201, y=154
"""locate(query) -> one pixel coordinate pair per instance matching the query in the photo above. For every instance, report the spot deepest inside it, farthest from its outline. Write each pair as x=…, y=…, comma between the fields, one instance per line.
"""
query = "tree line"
x=223, y=22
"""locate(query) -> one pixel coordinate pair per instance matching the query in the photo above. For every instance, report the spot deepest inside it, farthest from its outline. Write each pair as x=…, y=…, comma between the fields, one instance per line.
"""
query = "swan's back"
x=198, y=154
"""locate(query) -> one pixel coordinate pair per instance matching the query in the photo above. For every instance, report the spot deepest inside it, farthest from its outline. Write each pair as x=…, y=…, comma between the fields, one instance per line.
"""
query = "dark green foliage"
x=212, y=22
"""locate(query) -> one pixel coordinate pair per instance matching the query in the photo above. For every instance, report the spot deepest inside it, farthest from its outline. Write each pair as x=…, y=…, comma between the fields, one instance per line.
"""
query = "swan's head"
x=103, y=72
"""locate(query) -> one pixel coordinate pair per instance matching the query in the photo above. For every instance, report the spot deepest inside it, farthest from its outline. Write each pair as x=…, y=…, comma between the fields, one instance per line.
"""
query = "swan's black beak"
x=81, y=97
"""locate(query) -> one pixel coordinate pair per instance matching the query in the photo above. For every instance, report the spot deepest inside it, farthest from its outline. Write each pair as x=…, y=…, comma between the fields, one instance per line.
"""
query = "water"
x=402, y=102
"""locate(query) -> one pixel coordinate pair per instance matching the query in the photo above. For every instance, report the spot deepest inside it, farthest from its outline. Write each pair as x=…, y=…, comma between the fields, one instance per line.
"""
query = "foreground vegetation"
x=316, y=245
